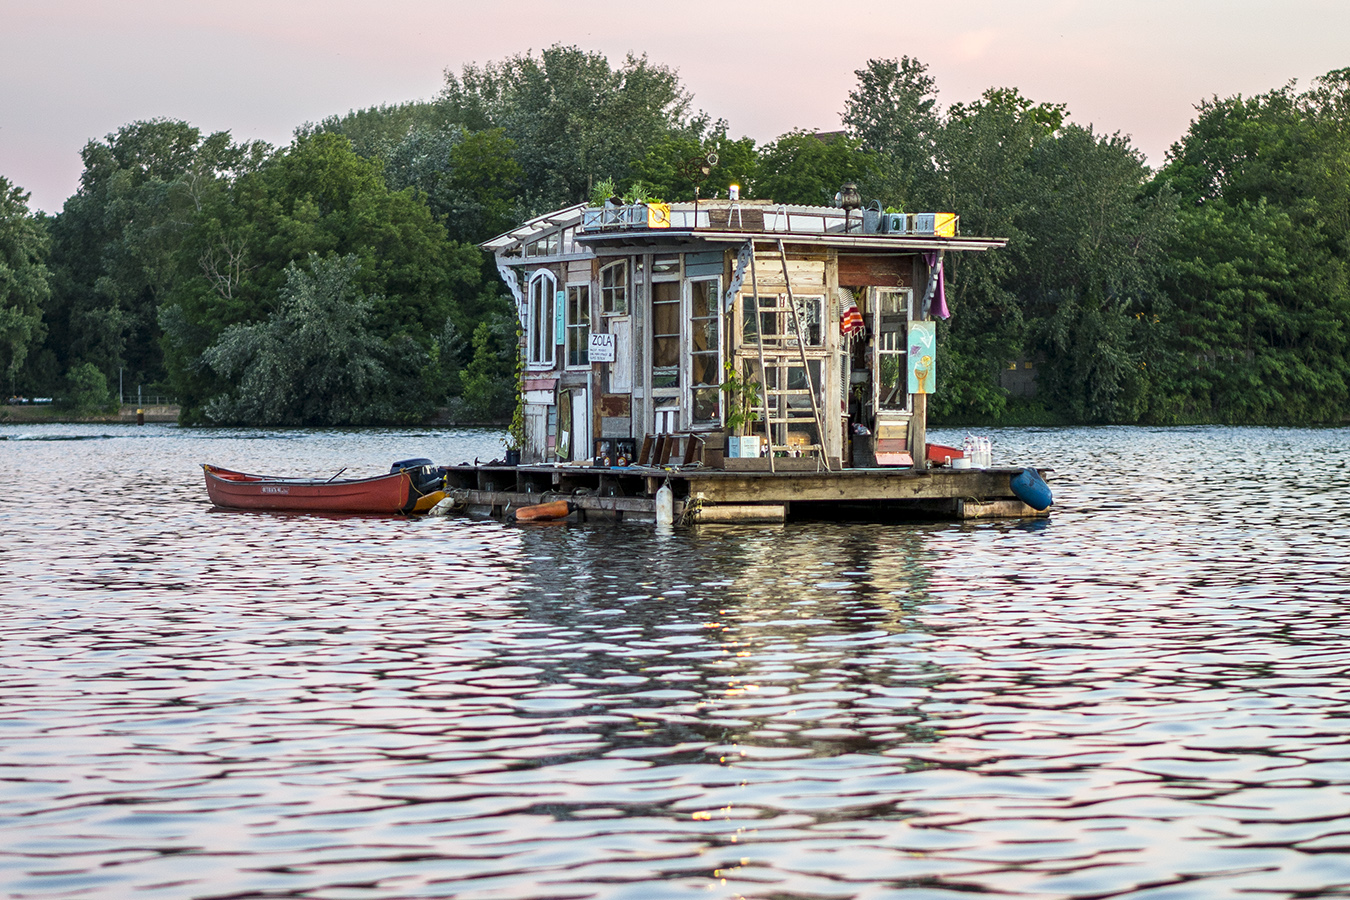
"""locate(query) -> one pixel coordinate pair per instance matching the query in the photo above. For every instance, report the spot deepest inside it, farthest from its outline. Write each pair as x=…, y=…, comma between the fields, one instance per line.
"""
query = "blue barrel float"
x=1031, y=489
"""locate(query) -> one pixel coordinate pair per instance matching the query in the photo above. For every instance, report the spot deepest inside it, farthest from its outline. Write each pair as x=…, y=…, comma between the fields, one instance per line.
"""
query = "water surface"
x=1145, y=696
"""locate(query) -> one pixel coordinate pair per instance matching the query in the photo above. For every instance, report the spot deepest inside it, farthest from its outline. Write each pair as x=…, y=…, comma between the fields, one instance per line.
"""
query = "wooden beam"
x=851, y=485
x=739, y=513
x=998, y=509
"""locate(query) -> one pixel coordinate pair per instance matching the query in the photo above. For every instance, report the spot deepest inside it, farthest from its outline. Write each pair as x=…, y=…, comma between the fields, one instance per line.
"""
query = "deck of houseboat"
x=705, y=495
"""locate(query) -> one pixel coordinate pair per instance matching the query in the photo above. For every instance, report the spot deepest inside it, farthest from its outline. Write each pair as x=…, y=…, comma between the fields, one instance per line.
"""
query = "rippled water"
x=1146, y=695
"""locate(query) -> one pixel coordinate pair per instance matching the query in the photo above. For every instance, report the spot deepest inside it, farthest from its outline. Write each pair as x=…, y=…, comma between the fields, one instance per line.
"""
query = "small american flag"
x=851, y=322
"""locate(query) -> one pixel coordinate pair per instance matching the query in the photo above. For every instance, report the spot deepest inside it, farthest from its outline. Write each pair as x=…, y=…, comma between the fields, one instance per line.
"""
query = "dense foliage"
x=24, y=285
x=336, y=280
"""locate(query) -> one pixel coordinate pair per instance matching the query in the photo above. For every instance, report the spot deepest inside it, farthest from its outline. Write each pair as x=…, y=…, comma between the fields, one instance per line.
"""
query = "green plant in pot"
x=602, y=191
x=743, y=403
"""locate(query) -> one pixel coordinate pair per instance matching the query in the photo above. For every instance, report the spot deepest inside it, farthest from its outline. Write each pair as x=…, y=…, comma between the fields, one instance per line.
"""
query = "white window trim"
x=532, y=332
x=569, y=325
x=687, y=351
x=875, y=325
x=682, y=306
x=627, y=288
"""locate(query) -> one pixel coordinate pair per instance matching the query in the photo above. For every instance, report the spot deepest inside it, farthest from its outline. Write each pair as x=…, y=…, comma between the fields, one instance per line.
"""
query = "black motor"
x=426, y=477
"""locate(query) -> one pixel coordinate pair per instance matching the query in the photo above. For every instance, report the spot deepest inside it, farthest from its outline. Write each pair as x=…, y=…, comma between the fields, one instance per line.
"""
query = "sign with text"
x=602, y=347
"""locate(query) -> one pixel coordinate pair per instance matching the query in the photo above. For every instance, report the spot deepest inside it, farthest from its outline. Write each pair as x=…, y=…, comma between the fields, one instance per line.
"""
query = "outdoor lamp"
x=848, y=199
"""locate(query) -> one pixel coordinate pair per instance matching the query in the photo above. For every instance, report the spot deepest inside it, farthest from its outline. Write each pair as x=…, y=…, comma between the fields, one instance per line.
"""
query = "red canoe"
x=392, y=493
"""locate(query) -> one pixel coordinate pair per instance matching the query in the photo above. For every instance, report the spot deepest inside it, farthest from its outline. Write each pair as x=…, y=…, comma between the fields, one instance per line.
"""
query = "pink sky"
x=75, y=70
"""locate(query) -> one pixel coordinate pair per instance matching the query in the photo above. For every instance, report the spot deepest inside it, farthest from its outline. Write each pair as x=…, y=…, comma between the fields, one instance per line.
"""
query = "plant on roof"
x=640, y=192
x=602, y=190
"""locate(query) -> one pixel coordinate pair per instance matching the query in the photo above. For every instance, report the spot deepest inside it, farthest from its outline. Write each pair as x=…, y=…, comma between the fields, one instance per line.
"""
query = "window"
x=811, y=312
x=543, y=246
x=614, y=289
x=539, y=334
x=892, y=329
x=705, y=351
x=666, y=334
x=578, y=325
x=778, y=325
x=666, y=267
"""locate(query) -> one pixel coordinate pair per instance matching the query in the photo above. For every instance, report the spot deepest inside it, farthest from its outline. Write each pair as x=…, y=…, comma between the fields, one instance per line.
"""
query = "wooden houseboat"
x=763, y=360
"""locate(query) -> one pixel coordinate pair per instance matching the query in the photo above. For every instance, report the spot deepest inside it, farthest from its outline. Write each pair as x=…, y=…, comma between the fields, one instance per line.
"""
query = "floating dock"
x=712, y=495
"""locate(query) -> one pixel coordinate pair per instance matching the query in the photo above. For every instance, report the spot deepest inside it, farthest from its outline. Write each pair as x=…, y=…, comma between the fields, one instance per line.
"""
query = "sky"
x=72, y=71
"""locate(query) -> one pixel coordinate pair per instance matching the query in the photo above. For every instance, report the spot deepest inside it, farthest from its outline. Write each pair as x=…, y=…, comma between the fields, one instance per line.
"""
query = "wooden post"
x=918, y=431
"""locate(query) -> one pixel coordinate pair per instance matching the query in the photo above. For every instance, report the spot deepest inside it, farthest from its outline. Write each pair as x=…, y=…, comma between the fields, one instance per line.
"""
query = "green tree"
x=313, y=362
x=574, y=119
x=87, y=390
x=316, y=197
x=673, y=168
x=1093, y=279
x=471, y=181
x=1259, y=272
x=488, y=393
x=893, y=113
x=115, y=242
x=983, y=154
x=376, y=131
x=23, y=280
x=801, y=167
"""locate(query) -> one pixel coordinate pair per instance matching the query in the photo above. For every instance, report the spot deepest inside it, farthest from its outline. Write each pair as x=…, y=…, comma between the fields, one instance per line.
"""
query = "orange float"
x=545, y=512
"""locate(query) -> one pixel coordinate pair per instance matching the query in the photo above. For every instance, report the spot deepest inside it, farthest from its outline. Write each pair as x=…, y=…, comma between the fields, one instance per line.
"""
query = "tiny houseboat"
x=763, y=360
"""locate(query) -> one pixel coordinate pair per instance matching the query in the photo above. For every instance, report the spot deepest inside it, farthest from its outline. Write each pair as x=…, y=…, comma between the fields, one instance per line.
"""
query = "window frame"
x=671, y=277
x=616, y=273
x=690, y=323
x=884, y=336
x=578, y=294
x=540, y=327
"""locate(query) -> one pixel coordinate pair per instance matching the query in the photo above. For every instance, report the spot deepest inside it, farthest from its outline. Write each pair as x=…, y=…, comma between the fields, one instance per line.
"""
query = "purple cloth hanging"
x=934, y=260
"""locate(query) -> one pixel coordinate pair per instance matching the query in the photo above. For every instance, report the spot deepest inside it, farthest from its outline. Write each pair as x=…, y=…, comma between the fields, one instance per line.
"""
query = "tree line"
x=337, y=281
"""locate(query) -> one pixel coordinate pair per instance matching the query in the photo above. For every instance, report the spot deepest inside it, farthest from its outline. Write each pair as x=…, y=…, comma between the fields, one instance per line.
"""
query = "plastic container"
x=1031, y=489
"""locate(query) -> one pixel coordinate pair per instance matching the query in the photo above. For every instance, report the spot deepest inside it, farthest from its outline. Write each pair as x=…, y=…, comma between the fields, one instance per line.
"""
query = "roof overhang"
x=868, y=242
x=559, y=218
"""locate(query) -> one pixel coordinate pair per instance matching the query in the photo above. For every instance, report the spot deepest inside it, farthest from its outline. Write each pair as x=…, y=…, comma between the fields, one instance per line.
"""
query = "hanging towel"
x=851, y=321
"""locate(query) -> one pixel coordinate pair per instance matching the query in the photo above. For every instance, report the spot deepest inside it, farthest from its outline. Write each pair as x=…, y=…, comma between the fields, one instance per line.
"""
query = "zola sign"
x=602, y=348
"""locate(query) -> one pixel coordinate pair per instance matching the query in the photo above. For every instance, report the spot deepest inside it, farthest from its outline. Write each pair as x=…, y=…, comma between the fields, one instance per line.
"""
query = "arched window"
x=540, y=339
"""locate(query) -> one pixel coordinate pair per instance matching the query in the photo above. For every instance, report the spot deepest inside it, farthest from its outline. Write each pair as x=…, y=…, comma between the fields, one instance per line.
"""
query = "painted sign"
x=559, y=317
x=922, y=357
x=602, y=347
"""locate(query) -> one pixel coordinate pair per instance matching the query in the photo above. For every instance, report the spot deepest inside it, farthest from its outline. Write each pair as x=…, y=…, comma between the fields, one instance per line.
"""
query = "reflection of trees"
x=747, y=635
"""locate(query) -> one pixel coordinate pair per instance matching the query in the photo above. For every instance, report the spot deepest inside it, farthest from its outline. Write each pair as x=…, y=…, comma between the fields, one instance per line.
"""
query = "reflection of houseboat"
x=649, y=330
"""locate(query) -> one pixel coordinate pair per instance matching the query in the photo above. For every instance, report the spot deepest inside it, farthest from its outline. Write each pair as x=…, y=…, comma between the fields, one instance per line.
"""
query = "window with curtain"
x=666, y=334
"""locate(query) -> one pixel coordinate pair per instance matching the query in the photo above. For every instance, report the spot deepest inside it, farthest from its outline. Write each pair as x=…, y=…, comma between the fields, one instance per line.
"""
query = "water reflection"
x=1143, y=696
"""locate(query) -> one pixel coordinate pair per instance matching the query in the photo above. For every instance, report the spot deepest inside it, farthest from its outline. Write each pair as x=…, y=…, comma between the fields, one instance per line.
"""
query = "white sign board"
x=602, y=347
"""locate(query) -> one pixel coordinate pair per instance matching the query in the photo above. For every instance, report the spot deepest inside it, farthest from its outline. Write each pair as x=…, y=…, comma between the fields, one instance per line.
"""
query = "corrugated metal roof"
x=559, y=218
x=798, y=223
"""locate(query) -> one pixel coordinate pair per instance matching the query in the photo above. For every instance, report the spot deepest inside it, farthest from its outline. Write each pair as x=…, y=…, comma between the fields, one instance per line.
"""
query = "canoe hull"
x=382, y=494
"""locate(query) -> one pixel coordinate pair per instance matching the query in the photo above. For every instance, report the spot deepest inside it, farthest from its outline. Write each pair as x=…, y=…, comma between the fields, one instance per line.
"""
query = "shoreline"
x=46, y=414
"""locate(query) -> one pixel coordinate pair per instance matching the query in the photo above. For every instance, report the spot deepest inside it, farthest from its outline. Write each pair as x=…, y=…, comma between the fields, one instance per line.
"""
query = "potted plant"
x=742, y=411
